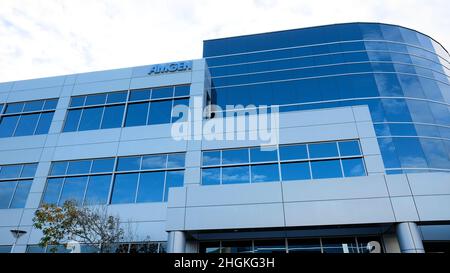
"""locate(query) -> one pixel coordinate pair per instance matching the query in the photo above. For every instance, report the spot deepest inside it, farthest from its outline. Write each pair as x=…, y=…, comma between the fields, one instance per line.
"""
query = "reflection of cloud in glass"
x=154, y=162
x=238, y=174
x=357, y=170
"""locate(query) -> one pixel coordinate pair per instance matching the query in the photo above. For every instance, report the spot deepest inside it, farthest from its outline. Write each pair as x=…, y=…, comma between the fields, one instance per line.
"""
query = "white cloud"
x=53, y=37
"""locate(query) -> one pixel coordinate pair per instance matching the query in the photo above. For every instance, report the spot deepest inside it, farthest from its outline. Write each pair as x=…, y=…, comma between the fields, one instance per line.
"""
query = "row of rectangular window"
x=310, y=245
x=106, y=165
x=30, y=106
x=139, y=187
x=137, y=114
x=168, y=92
x=13, y=194
x=296, y=171
x=26, y=124
x=17, y=171
x=286, y=153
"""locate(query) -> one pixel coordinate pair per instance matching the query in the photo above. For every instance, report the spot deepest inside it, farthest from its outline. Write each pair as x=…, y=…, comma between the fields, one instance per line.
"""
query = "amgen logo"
x=170, y=67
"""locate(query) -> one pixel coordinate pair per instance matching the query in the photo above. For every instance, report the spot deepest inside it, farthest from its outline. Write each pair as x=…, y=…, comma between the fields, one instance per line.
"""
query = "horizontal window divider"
x=324, y=65
x=330, y=54
x=340, y=100
x=149, y=171
x=411, y=123
x=16, y=179
x=328, y=76
x=79, y=175
x=329, y=43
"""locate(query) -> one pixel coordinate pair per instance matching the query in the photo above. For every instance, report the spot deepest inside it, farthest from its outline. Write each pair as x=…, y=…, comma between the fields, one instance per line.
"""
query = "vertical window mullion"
x=111, y=185
x=61, y=190
x=79, y=120
x=101, y=118
x=85, y=190
x=340, y=159
x=164, y=186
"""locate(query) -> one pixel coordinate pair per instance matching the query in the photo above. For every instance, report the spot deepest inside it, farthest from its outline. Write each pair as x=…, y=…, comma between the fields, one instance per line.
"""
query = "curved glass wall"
x=402, y=75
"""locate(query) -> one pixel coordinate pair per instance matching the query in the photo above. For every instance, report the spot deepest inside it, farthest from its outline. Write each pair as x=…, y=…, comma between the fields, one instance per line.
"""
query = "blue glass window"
x=137, y=95
x=124, y=188
x=28, y=170
x=95, y=99
x=295, y=171
x=8, y=125
x=59, y=168
x=151, y=187
x=27, y=125
x=235, y=156
x=323, y=150
x=53, y=190
x=44, y=123
x=34, y=106
x=160, y=112
x=73, y=190
x=182, y=90
x=183, y=117
x=79, y=167
x=98, y=190
x=154, y=162
x=72, y=120
x=6, y=193
x=117, y=97
x=91, y=118
x=21, y=194
x=263, y=155
x=326, y=169
x=10, y=171
x=176, y=160
x=211, y=158
x=293, y=152
x=77, y=101
x=235, y=175
x=102, y=165
x=173, y=179
x=211, y=176
x=14, y=107
x=137, y=114
x=160, y=93
x=112, y=117
x=353, y=167
x=265, y=173
x=50, y=104
x=349, y=148
x=129, y=163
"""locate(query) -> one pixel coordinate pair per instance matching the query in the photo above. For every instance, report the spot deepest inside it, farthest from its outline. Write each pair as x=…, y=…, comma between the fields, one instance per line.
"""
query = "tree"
x=91, y=226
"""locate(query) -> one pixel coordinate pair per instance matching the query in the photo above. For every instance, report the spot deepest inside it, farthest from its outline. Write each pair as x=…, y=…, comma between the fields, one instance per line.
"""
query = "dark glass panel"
x=211, y=158
x=79, y=167
x=27, y=125
x=72, y=120
x=10, y=171
x=73, y=190
x=323, y=150
x=95, y=99
x=265, y=173
x=52, y=191
x=129, y=163
x=266, y=154
x=295, y=171
x=113, y=116
x=160, y=112
x=21, y=194
x=349, y=148
x=102, y=165
x=173, y=179
x=91, y=118
x=353, y=167
x=235, y=156
x=235, y=175
x=36, y=105
x=8, y=125
x=151, y=187
x=326, y=169
x=44, y=123
x=6, y=193
x=211, y=176
x=98, y=190
x=137, y=114
x=125, y=186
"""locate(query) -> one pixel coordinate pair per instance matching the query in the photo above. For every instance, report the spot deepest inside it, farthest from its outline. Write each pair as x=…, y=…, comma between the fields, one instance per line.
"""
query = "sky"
x=40, y=38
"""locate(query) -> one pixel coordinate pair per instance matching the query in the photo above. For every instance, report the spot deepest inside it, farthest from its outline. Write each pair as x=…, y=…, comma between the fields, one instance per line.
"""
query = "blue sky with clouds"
x=41, y=38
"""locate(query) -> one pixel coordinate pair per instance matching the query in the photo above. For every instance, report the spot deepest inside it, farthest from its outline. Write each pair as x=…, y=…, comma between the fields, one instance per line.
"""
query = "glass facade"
x=137, y=179
x=15, y=184
x=400, y=74
x=293, y=245
x=292, y=162
x=136, y=247
x=125, y=108
x=26, y=118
